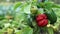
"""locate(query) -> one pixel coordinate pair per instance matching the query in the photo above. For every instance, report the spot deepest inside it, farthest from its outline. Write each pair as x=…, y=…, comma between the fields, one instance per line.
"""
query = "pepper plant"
x=33, y=17
x=42, y=16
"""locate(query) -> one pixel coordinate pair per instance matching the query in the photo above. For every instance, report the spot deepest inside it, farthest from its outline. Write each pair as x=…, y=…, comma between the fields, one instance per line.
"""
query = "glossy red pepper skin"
x=41, y=20
x=41, y=17
x=42, y=23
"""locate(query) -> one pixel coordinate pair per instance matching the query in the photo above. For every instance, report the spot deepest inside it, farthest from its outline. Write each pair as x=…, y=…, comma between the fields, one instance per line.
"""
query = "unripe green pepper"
x=34, y=9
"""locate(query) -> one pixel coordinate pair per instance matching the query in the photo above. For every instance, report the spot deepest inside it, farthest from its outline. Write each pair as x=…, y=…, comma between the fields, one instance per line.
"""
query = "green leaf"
x=50, y=30
x=50, y=5
x=21, y=16
x=1, y=32
x=20, y=20
x=56, y=6
x=26, y=30
x=36, y=30
x=34, y=2
x=17, y=5
x=40, y=11
x=27, y=9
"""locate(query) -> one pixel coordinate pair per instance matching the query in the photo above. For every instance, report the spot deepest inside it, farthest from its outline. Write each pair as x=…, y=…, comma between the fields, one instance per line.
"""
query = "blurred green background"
x=56, y=1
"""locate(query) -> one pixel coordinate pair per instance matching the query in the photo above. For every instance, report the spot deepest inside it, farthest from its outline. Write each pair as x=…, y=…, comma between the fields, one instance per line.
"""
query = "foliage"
x=19, y=20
